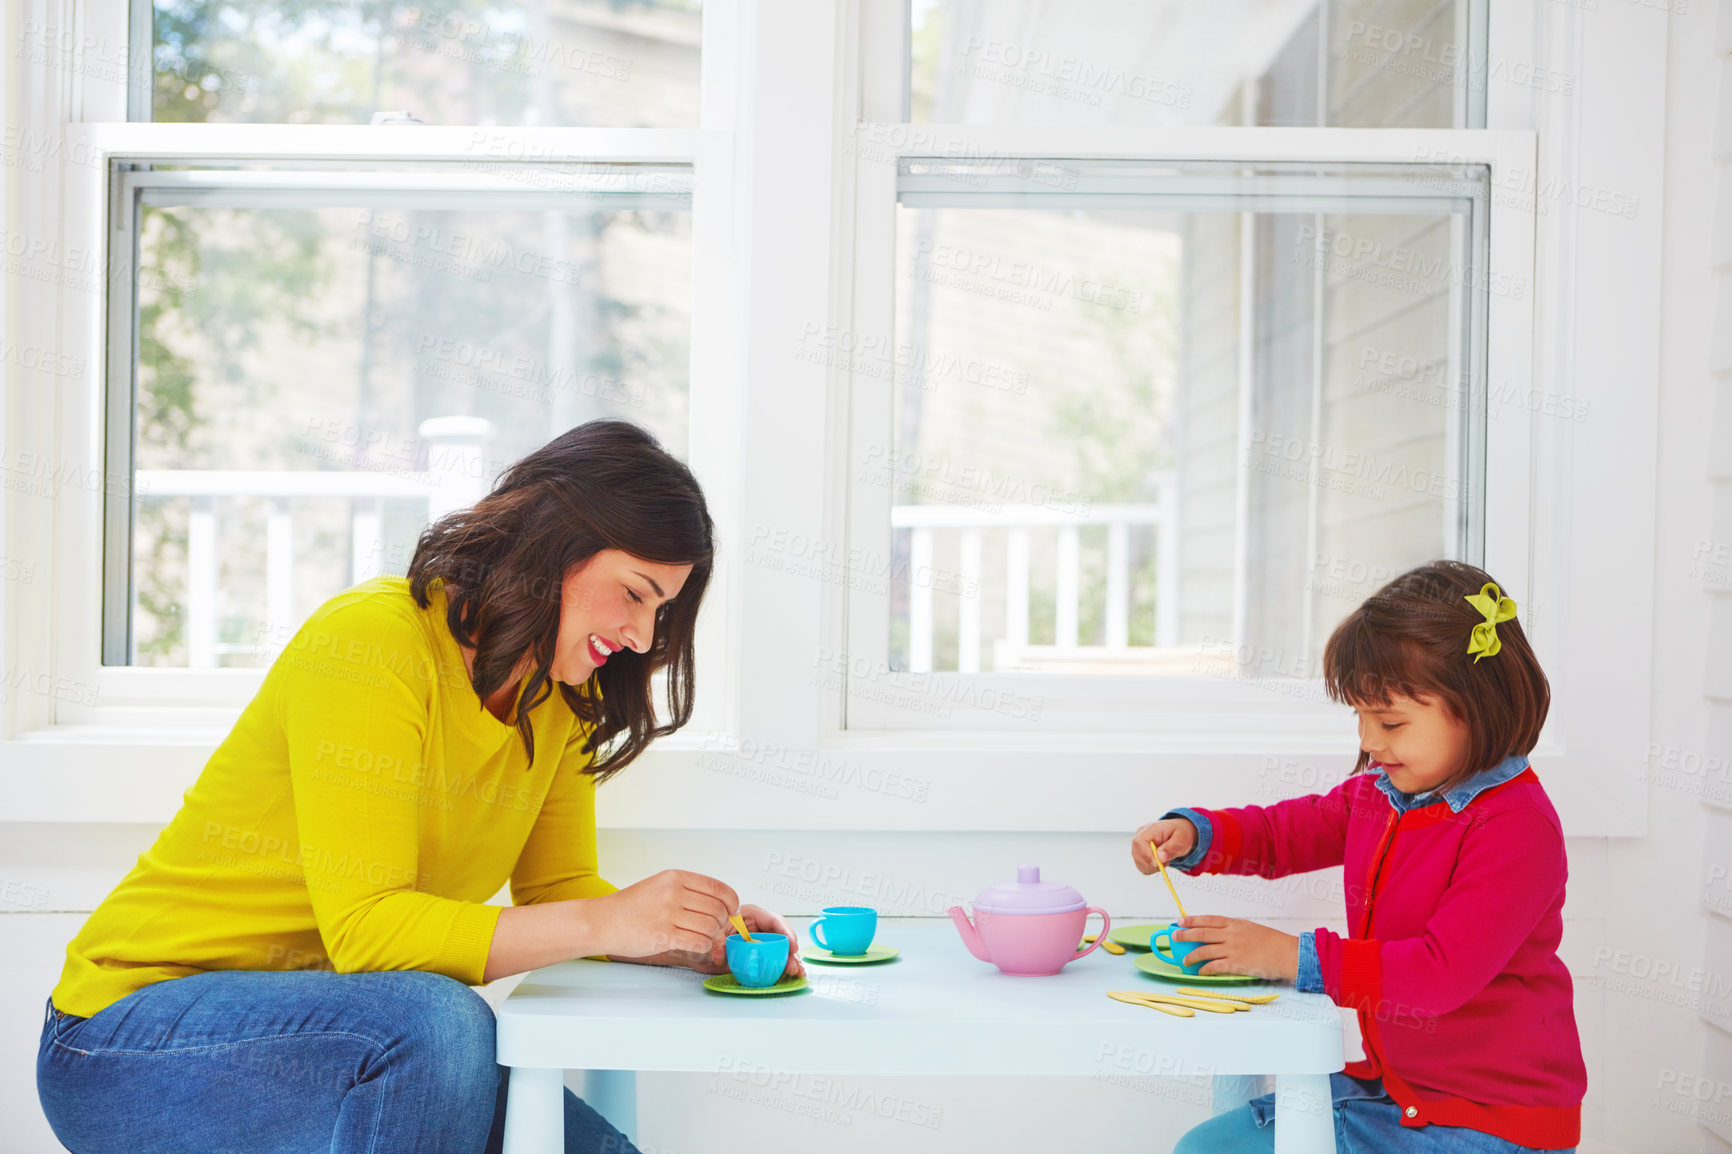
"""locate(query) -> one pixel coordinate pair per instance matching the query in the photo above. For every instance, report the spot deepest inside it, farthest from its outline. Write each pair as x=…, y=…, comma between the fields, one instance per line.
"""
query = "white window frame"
x=637, y=186
x=1217, y=744
x=1054, y=704
x=126, y=693
x=158, y=722
x=776, y=224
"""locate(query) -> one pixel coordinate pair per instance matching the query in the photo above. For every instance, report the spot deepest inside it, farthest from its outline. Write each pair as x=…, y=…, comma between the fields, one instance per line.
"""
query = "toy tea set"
x=1027, y=928
x=755, y=961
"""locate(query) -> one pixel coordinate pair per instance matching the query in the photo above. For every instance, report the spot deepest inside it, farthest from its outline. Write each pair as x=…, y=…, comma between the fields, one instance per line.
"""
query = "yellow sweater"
x=358, y=816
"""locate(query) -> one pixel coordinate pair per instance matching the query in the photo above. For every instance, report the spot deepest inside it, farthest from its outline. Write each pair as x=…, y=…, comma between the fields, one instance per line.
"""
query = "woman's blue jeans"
x=398, y=1062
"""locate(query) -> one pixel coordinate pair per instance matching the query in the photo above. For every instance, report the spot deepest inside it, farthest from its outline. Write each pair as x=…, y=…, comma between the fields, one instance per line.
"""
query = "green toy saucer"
x=1158, y=967
x=873, y=955
x=1134, y=937
x=728, y=984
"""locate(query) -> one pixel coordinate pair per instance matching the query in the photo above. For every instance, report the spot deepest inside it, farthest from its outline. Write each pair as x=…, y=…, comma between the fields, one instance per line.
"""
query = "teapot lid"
x=1028, y=895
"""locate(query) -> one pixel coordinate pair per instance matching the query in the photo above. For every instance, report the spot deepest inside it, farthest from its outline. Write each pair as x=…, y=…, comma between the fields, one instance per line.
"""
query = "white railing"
x=923, y=521
x=454, y=479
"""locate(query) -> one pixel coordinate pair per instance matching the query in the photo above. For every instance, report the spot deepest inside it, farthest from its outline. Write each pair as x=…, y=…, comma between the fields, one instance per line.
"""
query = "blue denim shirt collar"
x=1458, y=798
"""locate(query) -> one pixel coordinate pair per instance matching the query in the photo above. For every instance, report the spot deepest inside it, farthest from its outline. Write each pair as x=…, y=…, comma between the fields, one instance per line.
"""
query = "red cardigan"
x=1466, y=1009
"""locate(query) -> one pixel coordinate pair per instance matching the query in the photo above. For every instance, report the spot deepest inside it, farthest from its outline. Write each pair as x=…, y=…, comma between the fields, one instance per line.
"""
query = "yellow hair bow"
x=1496, y=607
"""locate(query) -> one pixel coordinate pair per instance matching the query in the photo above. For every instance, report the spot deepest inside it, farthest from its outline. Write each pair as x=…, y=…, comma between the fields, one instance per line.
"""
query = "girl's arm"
x=1511, y=871
x=1289, y=837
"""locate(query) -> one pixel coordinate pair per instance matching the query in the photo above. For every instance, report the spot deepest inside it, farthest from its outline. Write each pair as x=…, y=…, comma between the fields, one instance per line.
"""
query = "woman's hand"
x=715, y=959
x=686, y=914
x=1236, y=946
x=670, y=914
x=760, y=920
x=1174, y=837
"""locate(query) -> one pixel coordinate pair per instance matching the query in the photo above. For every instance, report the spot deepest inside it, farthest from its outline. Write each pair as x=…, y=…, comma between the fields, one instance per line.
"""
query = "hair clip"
x=1496, y=607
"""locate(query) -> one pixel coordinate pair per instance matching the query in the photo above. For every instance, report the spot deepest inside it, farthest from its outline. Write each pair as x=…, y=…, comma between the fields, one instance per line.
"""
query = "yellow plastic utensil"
x=1109, y=945
x=1176, y=1011
x=1162, y=866
x=740, y=924
x=1230, y=1003
x=1140, y=998
x=1214, y=1005
x=1253, y=999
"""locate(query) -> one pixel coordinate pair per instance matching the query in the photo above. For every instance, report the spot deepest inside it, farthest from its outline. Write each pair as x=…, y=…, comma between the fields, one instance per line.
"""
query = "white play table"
x=935, y=1010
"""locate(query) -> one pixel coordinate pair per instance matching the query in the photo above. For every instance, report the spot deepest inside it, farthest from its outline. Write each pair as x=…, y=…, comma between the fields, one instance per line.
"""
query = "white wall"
x=1714, y=1068
x=1641, y=1010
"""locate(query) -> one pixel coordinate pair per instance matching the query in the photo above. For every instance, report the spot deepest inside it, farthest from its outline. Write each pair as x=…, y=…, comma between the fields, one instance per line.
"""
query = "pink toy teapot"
x=1028, y=927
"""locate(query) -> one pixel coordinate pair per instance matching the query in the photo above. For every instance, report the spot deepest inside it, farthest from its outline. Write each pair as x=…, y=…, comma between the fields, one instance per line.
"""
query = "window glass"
x=1128, y=440
x=1340, y=63
x=314, y=383
x=618, y=63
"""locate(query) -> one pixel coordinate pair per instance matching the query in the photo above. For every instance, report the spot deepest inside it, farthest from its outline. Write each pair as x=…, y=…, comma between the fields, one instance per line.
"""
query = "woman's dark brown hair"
x=1410, y=639
x=504, y=560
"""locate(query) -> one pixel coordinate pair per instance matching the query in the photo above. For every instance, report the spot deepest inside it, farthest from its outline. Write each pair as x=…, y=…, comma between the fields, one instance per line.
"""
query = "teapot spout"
x=970, y=935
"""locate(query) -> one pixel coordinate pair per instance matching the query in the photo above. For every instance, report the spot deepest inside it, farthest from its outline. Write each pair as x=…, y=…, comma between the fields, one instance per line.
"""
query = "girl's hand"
x=667, y=915
x=1175, y=837
x=1236, y=946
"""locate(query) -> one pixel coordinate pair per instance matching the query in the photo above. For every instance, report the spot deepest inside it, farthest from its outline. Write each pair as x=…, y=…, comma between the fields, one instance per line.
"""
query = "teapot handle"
x=1106, y=928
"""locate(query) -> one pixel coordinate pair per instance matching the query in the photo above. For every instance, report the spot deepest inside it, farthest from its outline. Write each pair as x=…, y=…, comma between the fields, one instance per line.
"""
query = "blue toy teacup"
x=759, y=962
x=848, y=930
x=1175, y=951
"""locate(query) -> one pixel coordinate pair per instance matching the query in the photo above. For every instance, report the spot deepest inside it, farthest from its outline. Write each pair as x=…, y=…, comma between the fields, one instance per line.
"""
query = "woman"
x=287, y=967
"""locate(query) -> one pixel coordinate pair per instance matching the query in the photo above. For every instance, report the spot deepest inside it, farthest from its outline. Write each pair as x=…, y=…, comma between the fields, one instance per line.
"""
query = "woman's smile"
x=599, y=650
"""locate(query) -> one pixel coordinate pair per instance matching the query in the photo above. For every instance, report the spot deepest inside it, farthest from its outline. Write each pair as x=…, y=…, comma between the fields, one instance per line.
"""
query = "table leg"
x=535, y=1111
x=613, y=1095
x=1235, y=1091
x=1304, y=1114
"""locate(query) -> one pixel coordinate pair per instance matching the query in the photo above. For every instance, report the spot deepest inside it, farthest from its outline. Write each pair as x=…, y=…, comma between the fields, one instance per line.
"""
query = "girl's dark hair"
x=1410, y=639
x=504, y=560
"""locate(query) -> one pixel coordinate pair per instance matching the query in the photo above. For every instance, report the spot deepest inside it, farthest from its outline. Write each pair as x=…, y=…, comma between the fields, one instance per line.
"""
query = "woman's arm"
x=672, y=913
x=529, y=937
x=363, y=700
x=558, y=860
x=656, y=924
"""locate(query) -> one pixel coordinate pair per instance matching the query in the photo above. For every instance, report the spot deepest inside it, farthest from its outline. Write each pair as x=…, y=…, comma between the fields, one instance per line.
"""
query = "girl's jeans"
x=1367, y=1121
x=398, y=1062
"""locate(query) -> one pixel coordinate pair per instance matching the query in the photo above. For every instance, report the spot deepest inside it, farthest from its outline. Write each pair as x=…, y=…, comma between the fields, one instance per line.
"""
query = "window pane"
x=1346, y=63
x=1188, y=441
x=615, y=63
x=314, y=383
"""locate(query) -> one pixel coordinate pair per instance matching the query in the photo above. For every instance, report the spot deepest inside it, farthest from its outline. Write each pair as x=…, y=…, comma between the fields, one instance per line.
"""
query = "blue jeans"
x=1367, y=1121
x=399, y=1062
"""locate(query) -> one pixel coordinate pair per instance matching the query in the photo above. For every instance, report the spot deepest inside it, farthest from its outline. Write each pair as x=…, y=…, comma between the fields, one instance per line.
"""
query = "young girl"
x=1454, y=877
